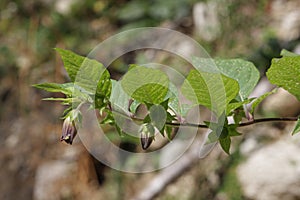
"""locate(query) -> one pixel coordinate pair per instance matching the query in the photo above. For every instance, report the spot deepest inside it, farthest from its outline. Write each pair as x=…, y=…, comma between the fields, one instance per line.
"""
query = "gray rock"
x=273, y=171
x=207, y=24
x=50, y=178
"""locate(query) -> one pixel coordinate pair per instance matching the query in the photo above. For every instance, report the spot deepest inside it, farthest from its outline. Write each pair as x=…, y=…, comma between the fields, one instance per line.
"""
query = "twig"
x=248, y=123
x=254, y=121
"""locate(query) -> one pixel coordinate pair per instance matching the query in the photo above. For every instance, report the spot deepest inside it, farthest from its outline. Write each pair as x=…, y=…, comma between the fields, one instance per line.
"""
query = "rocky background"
x=34, y=165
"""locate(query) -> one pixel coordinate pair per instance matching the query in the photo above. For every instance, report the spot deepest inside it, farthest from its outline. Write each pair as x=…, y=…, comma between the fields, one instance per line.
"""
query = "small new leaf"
x=286, y=53
x=232, y=130
x=297, y=127
x=225, y=143
x=257, y=101
x=65, y=88
x=234, y=105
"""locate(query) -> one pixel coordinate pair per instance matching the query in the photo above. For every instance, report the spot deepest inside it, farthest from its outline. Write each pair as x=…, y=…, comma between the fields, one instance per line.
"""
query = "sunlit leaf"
x=244, y=72
x=146, y=85
x=211, y=90
x=285, y=72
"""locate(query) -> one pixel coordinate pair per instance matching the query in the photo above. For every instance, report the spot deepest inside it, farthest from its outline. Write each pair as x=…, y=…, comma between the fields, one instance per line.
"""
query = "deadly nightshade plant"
x=239, y=79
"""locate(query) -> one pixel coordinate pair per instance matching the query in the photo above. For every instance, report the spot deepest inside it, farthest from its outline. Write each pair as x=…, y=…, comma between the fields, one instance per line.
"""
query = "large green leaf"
x=285, y=72
x=244, y=72
x=146, y=85
x=72, y=62
x=88, y=74
x=211, y=90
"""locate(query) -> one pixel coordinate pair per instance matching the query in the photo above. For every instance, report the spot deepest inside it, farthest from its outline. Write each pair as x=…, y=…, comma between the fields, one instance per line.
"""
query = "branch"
x=176, y=124
x=171, y=173
x=254, y=121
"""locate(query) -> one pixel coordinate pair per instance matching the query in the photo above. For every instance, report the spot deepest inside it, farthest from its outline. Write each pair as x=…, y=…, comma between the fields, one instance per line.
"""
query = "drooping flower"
x=147, y=135
x=69, y=131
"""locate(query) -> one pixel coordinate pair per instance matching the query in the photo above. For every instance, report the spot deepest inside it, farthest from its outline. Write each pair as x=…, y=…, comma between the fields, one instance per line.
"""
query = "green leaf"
x=119, y=99
x=59, y=99
x=212, y=137
x=92, y=75
x=65, y=101
x=109, y=119
x=244, y=72
x=297, y=127
x=218, y=130
x=224, y=132
x=168, y=130
x=103, y=91
x=232, y=130
x=240, y=70
x=234, y=105
x=134, y=106
x=225, y=144
x=211, y=90
x=66, y=111
x=158, y=116
x=258, y=100
x=286, y=53
x=119, y=130
x=66, y=88
x=173, y=99
x=72, y=62
x=146, y=85
x=185, y=108
x=285, y=72
x=238, y=116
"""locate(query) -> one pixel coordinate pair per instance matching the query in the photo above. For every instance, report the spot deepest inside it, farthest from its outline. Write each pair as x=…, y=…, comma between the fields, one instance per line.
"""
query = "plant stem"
x=254, y=121
x=248, y=123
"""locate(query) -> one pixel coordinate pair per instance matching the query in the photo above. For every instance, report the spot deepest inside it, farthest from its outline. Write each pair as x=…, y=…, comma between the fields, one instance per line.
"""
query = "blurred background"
x=35, y=165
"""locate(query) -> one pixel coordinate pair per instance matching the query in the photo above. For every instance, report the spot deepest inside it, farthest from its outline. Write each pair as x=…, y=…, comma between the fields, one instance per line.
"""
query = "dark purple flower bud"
x=146, y=140
x=69, y=131
x=147, y=135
